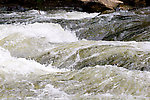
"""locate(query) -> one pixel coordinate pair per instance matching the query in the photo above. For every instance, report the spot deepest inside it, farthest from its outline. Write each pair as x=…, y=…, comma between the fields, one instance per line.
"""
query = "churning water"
x=61, y=55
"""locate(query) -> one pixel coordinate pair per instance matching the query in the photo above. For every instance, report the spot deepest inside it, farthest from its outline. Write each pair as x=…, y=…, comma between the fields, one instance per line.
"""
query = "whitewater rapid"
x=26, y=40
x=51, y=32
x=43, y=60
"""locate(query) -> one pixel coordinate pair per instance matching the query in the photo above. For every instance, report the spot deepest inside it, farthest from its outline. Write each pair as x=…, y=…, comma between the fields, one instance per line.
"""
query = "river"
x=71, y=55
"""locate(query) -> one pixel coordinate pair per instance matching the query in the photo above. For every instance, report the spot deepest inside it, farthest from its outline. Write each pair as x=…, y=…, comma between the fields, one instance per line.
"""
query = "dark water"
x=131, y=25
x=119, y=26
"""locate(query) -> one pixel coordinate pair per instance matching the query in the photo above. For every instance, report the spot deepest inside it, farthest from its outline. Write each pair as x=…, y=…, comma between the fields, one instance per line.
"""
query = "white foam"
x=20, y=66
x=59, y=14
x=50, y=93
x=140, y=46
x=74, y=15
x=20, y=70
x=52, y=32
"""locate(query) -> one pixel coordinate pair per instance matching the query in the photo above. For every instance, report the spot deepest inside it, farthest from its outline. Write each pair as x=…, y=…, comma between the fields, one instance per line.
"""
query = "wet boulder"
x=111, y=4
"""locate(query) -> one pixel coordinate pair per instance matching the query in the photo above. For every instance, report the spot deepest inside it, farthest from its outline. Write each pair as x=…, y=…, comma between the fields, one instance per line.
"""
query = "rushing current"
x=70, y=55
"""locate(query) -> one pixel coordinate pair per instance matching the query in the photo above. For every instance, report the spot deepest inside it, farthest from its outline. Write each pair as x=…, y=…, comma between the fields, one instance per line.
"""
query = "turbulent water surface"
x=70, y=55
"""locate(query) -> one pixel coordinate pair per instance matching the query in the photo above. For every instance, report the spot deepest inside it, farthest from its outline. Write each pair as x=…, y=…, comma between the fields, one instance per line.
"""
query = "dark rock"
x=94, y=7
x=135, y=3
x=90, y=6
x=111, y=4
x=13, y=7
